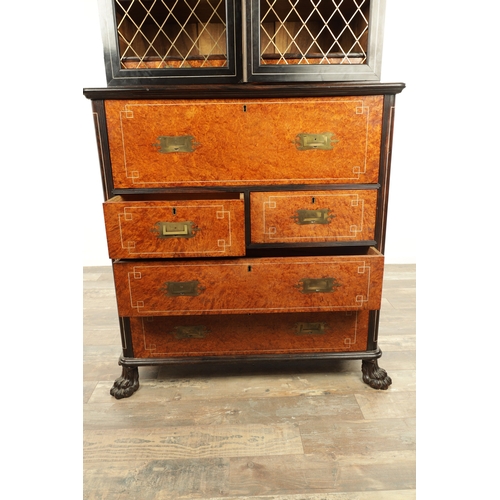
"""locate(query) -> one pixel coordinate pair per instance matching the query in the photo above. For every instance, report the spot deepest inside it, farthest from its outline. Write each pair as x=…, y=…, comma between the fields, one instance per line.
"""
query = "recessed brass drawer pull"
x=318, y=285
x=321, y=216
x=176, y=144
x=182, y=288
x=190, y=332
x=310, y=328
x=323, y=141
x=184, y=229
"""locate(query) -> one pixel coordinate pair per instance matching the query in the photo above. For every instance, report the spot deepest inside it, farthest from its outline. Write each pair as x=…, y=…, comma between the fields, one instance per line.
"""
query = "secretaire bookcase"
x=245, y=155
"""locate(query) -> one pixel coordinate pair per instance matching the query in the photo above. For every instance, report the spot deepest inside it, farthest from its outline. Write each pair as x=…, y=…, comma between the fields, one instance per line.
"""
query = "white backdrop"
x=401, y=237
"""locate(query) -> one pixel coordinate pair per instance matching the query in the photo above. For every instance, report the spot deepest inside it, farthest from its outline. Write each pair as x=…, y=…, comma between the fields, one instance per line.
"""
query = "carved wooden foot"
x=375, y=376
x=127, y=384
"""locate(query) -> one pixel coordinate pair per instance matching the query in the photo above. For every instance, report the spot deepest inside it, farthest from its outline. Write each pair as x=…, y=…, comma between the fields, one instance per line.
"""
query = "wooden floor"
x=280, y=431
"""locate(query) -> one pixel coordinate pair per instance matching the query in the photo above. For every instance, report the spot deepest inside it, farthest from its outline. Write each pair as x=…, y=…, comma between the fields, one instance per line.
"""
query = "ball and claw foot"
x=375, y=376
x=127, y=384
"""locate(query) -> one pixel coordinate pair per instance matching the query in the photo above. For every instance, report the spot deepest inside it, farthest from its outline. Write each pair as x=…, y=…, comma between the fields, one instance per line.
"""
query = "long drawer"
x=233, y=335
x=313, y=216
x=258, y=285
x=175, y=226
x=172, y=143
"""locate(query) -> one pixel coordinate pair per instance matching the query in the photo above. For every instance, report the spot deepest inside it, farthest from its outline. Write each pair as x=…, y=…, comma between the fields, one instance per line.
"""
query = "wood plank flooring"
x=262, y=431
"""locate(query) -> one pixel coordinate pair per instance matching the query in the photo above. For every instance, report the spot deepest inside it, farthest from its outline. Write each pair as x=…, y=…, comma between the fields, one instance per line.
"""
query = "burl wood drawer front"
x=308, y=216
x=158, y=337
x=140, y=228
x=291, y=284
x=236, y=142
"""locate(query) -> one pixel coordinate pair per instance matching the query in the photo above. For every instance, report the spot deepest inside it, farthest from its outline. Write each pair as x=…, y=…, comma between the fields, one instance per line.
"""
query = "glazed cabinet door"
x=154, y=42
x=314, y=40
x=171, y=41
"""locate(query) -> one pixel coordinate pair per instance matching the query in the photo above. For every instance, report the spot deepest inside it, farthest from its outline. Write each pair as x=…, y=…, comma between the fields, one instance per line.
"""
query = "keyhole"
x=249, y=268
x=244, y=108
x=313, y=200
x=174, y=211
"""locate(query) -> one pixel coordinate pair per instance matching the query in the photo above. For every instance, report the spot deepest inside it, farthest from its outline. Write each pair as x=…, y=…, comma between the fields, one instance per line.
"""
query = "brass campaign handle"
x=182, y=288
x=317, y=285
x=319, y=328
x=320, y=216
x=190, y=332
x=322, y=141
x=182, y=229
x=176, y=144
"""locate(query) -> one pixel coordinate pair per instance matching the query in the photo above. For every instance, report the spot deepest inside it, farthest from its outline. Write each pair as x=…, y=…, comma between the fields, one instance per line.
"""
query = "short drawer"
x=313, y=217
x=172, y=143
x=175, y=226
x=257, y=285
x=233, y=335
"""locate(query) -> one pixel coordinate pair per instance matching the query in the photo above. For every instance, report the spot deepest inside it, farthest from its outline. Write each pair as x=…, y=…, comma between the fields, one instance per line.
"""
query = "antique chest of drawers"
x=246, y=221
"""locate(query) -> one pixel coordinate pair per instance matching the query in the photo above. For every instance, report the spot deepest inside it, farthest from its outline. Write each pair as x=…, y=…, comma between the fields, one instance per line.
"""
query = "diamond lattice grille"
x=314, y=31
x=171, y=33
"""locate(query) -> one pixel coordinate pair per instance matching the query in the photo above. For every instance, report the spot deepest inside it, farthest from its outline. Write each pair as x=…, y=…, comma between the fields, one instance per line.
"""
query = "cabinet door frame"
x=118, y=76
x=255, y=71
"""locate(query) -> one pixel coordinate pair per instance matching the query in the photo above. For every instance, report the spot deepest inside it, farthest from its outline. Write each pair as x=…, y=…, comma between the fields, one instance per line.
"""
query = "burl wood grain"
x=275, y=216
x=249, y=285
x=244, y=141
x=131, y=230
x=157, y=337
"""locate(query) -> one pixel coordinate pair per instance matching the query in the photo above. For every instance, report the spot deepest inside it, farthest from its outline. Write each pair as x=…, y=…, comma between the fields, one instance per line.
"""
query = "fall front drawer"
x=233, y=335
x=249, y=285
x=172, y=143
x=176, y=226
x=313, y=216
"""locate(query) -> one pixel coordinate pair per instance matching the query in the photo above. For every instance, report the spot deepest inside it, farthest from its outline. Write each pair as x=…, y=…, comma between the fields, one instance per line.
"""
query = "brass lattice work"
x=314, y=31
x=171, y=33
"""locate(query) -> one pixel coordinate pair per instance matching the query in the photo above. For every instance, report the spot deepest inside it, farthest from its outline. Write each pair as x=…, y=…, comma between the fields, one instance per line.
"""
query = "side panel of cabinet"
x=156, y=144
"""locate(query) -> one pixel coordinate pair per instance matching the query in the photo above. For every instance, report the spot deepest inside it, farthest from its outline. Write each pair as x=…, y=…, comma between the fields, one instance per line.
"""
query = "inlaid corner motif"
x=351, y=340
x=364, y=268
